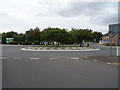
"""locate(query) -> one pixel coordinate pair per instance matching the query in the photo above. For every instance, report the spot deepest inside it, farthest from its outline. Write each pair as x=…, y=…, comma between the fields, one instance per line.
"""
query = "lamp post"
x=118, y=50
x=110, y=43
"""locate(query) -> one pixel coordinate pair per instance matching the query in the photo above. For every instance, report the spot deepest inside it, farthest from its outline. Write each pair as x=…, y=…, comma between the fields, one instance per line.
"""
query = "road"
x=25, y=69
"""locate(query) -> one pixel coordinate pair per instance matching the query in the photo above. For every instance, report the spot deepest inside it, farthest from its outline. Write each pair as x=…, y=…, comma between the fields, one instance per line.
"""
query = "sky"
x=21, y=15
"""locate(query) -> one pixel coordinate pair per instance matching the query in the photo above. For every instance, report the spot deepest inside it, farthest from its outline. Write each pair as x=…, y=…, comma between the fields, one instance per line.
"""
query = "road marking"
x=76, y=58
x=108, y=63
x=53, y=58
x=3, y=58
x=34, y=58
x=95, y=60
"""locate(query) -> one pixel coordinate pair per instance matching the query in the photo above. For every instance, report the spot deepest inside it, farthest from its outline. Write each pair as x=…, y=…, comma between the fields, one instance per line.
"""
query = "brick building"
x=107, y=40
x=113, y=35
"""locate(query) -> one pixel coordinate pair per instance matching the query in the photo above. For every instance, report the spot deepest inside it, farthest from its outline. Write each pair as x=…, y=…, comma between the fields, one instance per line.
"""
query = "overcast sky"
x=21, y=15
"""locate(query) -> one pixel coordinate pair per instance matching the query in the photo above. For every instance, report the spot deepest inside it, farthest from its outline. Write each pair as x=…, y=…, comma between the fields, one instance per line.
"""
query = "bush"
x=36, y=42
x=15, y=42
x=26, y=43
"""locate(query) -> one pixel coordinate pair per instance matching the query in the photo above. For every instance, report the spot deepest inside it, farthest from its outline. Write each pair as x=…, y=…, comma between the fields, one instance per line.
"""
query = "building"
x=114, y=28
x=113, y=35
x=107, y=40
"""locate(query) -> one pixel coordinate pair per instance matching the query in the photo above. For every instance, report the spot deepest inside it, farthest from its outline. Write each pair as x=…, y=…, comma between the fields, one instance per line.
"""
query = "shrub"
x=26, y=43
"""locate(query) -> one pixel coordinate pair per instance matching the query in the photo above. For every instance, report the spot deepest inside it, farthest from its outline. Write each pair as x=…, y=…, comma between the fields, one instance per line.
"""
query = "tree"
x=81, y=34
x=19, y=38
x=33, y=35
x=97, y=36
x=0, y=38
x=8, y=35
x=55, y=34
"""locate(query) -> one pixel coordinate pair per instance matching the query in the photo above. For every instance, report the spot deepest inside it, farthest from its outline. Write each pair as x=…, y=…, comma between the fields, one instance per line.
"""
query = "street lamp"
x=118, y=42
x=110, y=34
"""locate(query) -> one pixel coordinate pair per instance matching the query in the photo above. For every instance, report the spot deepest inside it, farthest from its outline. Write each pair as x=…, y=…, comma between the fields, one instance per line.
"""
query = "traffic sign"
x=9, y=40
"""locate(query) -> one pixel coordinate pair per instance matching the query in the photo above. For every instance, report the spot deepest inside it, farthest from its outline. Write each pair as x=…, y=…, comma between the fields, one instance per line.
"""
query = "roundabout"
x=59, y=49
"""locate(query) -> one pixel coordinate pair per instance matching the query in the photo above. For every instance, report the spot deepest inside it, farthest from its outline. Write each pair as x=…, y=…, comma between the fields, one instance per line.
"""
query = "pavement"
x=29, y=69
x=109, y=46
x=112, y=60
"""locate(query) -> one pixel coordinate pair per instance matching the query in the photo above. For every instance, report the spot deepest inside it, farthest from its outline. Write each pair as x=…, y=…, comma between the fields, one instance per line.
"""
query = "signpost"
x=118, y=49
x=110, y=43
x=45, y=43
x=9, y=40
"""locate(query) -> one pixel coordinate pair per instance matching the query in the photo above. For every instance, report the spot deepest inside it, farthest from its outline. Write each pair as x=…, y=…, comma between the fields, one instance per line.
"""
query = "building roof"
x=107, y=34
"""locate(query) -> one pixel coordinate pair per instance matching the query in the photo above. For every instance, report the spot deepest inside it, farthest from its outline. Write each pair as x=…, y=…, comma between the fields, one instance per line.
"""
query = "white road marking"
x=53, y=58
x=35, y=58
x=95, y=60
x=74, y=58
x=3, y=58
x=108, y=63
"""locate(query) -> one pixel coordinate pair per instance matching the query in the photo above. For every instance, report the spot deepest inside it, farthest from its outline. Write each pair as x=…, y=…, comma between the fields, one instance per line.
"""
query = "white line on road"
x=108, y=63
x=74, y=58
x=53, y=58
x=3, y=58
x=35, y=58
x=95, y=60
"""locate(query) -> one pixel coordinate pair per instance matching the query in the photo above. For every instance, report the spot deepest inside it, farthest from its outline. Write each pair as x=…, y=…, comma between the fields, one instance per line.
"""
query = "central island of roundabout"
x=59, y=48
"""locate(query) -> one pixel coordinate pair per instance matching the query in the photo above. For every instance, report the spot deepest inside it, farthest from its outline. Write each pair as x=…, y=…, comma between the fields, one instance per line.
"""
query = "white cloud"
x=21, y=15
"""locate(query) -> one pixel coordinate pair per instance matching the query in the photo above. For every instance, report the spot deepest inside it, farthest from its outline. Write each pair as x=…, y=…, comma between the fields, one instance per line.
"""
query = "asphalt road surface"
x=26, y=69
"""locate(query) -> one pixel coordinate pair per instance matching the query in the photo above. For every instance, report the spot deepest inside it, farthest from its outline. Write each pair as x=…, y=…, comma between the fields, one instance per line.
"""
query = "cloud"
x=81, y=8
x=119, y=12
x=20, y=15
x=98, y=12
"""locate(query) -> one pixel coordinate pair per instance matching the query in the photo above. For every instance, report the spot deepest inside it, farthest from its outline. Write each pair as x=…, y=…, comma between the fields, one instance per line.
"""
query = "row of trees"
x=62, y=36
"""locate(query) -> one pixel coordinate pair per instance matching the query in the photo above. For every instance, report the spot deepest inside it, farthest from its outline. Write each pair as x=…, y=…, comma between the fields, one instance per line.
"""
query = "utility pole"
x=118, y=36
x=110, y=34
x=118, y=49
